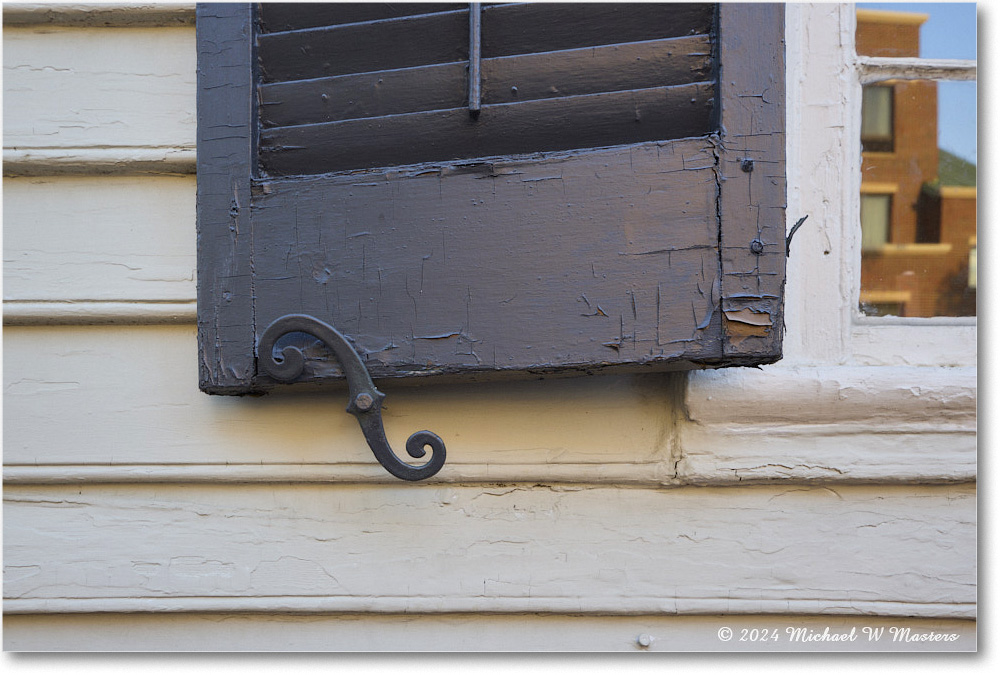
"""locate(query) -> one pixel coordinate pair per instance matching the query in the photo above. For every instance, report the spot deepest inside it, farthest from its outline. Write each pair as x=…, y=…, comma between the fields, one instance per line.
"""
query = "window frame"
x=872, y=71
x=824, y=178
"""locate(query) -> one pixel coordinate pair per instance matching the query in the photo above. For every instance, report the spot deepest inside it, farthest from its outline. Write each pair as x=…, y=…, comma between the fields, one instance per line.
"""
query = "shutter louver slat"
x=545, y=27
x=364, y=47
x=594, y=120
x=639, y=65
x=390, y=91
x=285, y=16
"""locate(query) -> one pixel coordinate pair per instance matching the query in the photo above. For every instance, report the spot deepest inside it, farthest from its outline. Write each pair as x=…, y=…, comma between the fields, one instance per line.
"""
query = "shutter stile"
x=393, y=89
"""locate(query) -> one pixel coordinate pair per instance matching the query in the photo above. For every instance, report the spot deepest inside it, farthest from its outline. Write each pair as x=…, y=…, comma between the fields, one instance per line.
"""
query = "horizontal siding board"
x=505, y=80
x=97, y=15
x=113, y=238
x=459, y=632
x=578, y=548
x=99, y=161
x=358, y=48
x=76, y=312
x=602, y=429
x=67, y=88
x=64, y=384
x=545, y=27
x=546, y=125
x=285, y=16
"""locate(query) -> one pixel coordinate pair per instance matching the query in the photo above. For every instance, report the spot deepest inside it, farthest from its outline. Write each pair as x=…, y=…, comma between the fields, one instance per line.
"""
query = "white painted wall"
x=834, y=489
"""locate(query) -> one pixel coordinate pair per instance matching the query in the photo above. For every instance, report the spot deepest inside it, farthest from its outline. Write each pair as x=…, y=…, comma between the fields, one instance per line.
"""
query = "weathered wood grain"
x=617, y=67
x=97, y=15
x=752, y=177
x=586, y=121
x=526, y=28
x=109, y=239
x=93, y=88
x=362, y=47
x=505, y=80
x=99, y=161
x=903, y=551
x=226, y=157
x=285, y=16
x=501, y=266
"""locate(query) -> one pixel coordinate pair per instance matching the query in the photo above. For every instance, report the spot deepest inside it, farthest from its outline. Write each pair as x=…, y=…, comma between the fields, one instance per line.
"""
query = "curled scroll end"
x=416, y=442
x=415, y=447
x=290, y=366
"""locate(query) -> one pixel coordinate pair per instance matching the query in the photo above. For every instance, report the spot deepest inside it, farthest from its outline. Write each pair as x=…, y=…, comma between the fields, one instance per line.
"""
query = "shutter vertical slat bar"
x=475, y=51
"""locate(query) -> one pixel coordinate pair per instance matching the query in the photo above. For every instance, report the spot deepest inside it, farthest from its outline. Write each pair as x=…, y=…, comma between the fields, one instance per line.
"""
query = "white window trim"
x=824, y=323
x=854, y=398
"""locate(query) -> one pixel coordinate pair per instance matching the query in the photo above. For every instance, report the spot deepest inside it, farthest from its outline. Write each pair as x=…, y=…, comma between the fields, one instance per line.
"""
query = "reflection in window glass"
x=947, y=31
x=876, y=119
x=918, y=181
x=876, y=212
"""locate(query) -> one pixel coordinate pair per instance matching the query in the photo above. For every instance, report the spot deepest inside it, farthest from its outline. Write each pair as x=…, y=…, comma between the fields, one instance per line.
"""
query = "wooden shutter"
x=616, y=204
x=368, y=89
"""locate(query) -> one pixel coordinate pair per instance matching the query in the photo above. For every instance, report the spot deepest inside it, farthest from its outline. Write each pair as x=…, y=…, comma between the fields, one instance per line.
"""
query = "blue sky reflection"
x=949, y=33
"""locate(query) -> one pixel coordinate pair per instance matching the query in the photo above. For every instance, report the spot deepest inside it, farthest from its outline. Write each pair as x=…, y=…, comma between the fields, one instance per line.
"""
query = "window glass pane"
x=918, y=206
x=933, y=30
x=918, y=190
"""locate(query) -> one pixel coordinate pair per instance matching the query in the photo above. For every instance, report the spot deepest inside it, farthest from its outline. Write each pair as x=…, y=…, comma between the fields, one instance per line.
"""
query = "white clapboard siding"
x=900, y=550
x=108, y=95
x=482, y=633
x=113, y=239
x=97, y=15
x=129, y=395
x=113, y=386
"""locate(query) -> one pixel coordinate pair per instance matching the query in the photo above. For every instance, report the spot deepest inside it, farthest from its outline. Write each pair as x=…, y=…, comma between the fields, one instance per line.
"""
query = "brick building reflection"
x=918, y=203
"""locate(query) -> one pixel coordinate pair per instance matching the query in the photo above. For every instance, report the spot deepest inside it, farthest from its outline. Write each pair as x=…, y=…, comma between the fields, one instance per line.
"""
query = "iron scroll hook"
x=366, y=400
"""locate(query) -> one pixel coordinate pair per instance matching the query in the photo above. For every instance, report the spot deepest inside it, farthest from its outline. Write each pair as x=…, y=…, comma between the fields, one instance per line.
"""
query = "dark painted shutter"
x=354, y=87
x=616, y=204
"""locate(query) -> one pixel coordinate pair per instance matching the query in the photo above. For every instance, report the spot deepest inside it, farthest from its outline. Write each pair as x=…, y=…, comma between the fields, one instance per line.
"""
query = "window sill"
x=827, y=424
